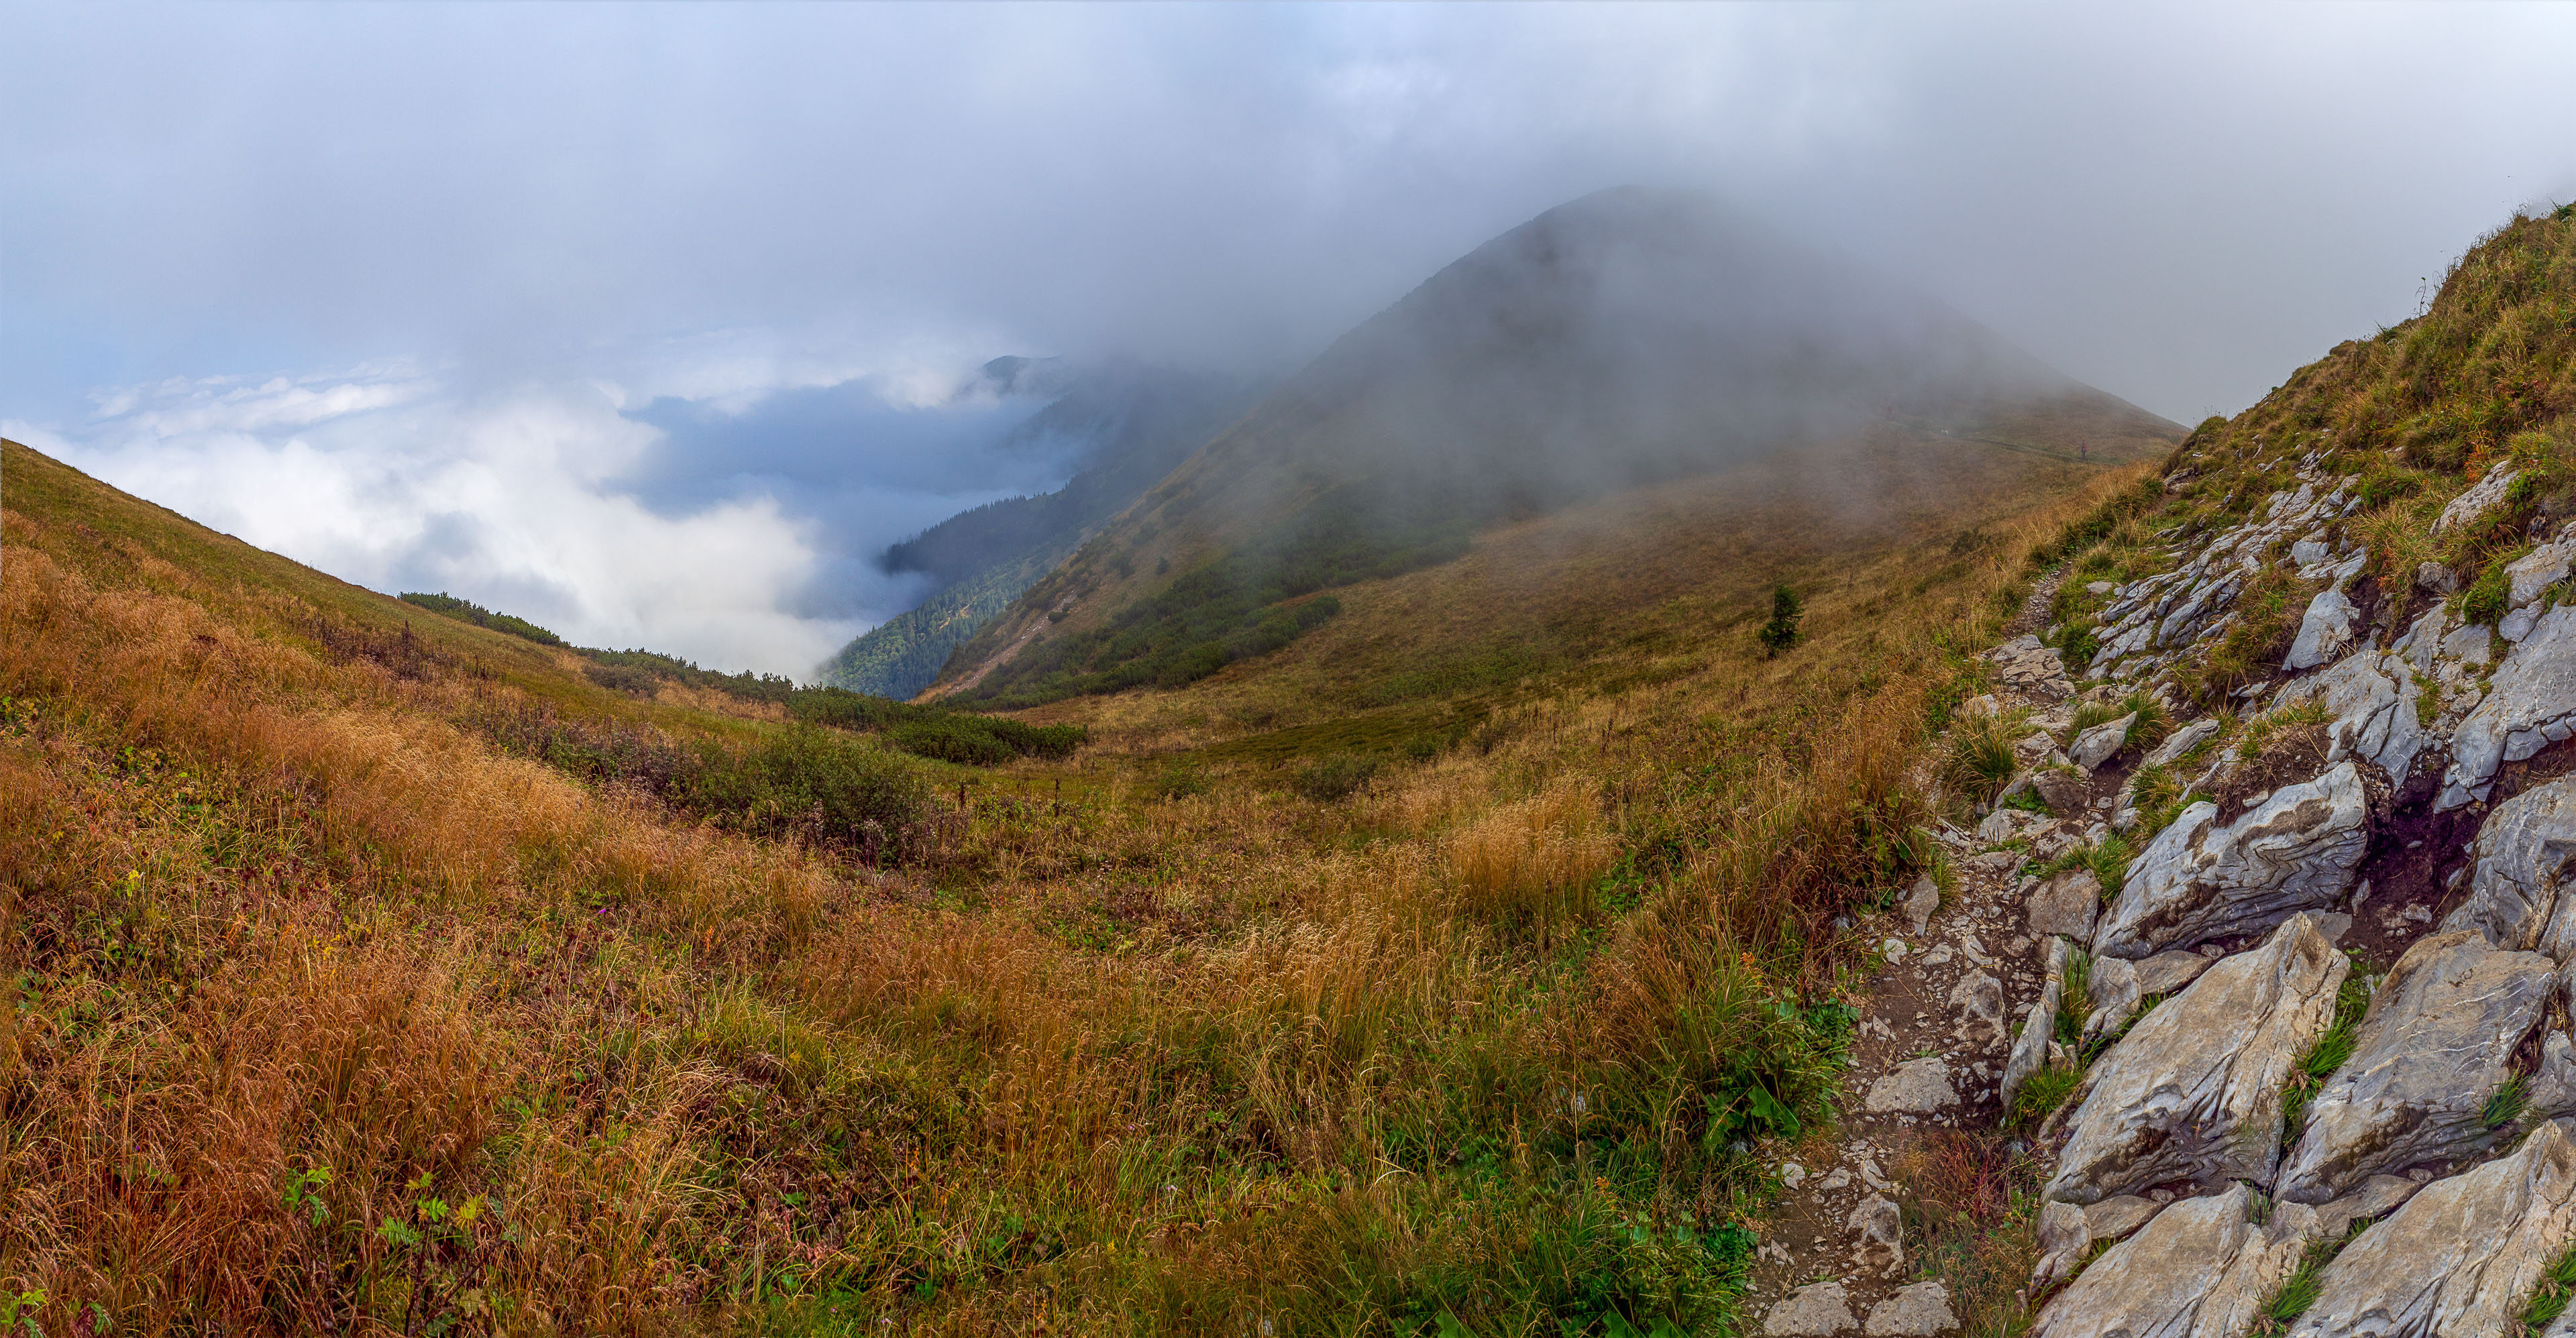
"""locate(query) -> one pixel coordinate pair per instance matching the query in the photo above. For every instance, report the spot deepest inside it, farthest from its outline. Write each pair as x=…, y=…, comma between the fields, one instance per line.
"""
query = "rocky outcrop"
x=2029, y=667
x=2111, y=985
x=2523, y=872
x=2200, y=879
x=2200, y=1269
x=2485, y=495
x=2461, y=1257
x=1918, y=1087
x=2530, y=704
x=2425, y=1059
x=2370, y=698
x=2193, y=1092
x=2324, y=632
x=2527, y=576
x=2101, y=743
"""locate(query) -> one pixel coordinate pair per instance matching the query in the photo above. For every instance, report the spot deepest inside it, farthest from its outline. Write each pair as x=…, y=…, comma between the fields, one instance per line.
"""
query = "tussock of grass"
x=2041, y=1094
x=2549, y=1298
x=1977, y=759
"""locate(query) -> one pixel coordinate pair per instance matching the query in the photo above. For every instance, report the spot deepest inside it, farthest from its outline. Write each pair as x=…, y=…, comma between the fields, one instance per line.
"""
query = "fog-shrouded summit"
x=1626, y=338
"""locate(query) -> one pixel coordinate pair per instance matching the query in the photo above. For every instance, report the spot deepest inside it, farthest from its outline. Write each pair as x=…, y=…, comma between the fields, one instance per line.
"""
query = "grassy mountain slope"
x=1137, y=422
x=333, y=1006
x=1624, y=340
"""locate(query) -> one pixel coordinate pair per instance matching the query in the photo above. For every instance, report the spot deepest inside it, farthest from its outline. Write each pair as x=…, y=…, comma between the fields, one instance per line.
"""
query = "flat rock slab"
x=2525, y=864
x=2200, y=879
x=2200, y=1269
x=1816, y=1311
x=2193, y=1092
x=1917, y=1087
x=2167, y=972
x=2425, y=1059
x=2461, y=1257
x=2065, y=905
x=1919, y=1311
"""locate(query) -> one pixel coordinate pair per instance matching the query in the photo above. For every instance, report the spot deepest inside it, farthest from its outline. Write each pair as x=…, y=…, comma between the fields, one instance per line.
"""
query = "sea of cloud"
x=719, y=499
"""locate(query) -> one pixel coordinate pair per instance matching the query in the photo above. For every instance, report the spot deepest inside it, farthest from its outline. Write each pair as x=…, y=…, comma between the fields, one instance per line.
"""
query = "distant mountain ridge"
x=1137, y=422
x=1626, y=338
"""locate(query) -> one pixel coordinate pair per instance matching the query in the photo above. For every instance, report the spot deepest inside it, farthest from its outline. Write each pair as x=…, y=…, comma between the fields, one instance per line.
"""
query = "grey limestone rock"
x=2377, y=1197
x=2065, y=905
x=2200, y=880
x=2200, y=1269
x=2030, y=1052
x=2324, y=632
x=1920, y=901
x=2118, y=1216
x=2522, y=872
x=2461, y=1257
x=2193, y=1092
x=2485, y=495
x=2169, y=971
x=2101, y=743
x=1881, y=1229
x=1817, y=1311
x=1918, y=1311
x=2530, y=704
x=2426, y=1057
x=2063, y=791
x=2065, y=1242
x=1979, y=997
x=2112, y=986
x=1917, y=1086
x=2538, y=570
x=2371, y=698
x=2179, y=742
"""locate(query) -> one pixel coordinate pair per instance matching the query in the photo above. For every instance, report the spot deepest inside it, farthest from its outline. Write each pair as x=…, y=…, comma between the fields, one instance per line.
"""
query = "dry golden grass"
x=1131, y=1064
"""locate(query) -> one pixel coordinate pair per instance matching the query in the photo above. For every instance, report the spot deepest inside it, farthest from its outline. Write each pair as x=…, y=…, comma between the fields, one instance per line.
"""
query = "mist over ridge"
x=1631, y=336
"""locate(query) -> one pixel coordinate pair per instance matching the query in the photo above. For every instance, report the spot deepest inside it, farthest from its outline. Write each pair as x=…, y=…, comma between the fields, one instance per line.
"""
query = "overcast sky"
x=465, y=297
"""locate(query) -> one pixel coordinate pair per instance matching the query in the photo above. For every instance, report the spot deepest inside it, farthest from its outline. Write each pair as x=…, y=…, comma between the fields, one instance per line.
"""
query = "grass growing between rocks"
x=2550, y=1296
x=2331, y=1050
x=303, y=961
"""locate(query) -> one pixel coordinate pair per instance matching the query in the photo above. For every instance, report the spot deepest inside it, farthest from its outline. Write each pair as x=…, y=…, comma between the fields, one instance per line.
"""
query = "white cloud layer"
x=522, y=499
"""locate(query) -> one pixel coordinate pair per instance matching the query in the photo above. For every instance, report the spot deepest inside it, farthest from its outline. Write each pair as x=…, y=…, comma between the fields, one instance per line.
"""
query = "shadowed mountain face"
x=1126, y=424
x=1627, y=338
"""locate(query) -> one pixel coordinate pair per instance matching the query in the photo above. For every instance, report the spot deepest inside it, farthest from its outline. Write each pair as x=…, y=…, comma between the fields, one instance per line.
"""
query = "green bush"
x=1333, y=778
x=1781, y=632
x=818, y=784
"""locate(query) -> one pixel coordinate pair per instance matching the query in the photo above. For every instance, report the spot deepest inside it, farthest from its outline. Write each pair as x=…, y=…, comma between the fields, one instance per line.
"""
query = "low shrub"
x=1334, y=777
x=809, y=782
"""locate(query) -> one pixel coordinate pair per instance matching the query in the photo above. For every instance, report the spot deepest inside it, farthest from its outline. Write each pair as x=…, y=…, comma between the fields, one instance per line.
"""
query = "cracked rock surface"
x=2462, y=1256
x=2210, y=876
x=2193, y=1092
x=2426, y=1058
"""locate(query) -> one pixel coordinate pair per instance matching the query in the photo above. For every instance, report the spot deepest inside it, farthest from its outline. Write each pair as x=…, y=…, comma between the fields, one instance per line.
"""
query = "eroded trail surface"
x=2229, y=1021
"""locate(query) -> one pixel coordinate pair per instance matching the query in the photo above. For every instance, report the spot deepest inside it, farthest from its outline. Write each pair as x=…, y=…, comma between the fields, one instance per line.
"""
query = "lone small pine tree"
x=1781, y=632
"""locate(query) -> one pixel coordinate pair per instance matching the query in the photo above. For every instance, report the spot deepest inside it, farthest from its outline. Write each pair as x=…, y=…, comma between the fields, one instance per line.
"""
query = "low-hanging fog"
x=657, y=324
